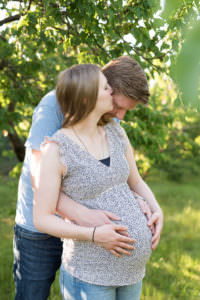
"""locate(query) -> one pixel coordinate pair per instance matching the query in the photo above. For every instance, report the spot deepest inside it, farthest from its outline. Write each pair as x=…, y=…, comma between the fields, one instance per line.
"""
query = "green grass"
x=173, y=271
x=174, y=268
x=8, y=196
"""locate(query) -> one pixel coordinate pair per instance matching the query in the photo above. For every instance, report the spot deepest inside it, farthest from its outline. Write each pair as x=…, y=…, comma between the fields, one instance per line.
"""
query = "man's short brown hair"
x=126, y=77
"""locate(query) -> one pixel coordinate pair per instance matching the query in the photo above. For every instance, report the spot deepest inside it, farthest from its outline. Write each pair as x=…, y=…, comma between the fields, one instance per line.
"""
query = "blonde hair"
x=77, y=92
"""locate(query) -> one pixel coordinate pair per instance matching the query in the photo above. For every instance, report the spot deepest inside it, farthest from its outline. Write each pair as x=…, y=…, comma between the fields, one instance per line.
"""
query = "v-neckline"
x=92, y=157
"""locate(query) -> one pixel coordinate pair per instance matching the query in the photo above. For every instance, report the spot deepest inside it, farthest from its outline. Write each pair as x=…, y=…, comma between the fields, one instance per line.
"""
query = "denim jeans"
x=37, y=257
x=74, y=289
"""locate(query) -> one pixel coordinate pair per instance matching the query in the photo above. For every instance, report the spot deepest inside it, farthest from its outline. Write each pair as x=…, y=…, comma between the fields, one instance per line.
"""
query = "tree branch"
x=137, y=51
x=16, y=17
x=29, y=6
x=75, y=31
x=15, y=141
x=149, y=60
x=10, y=19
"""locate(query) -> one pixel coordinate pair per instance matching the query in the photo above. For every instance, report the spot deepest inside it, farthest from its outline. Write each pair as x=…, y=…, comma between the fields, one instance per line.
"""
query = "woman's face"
x=104, y=99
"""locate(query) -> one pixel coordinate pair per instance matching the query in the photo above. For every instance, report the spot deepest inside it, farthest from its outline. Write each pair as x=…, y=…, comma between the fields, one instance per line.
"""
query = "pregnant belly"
x=126, y=207
x=120, y=201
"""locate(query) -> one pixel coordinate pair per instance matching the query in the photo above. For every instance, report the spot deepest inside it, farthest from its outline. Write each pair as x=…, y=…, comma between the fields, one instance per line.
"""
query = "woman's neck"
x=88, y=126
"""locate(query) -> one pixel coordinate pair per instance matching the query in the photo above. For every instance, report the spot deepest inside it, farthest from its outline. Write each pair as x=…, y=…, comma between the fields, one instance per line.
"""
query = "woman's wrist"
x=84, y=233
x=157, y=209
x=93, y=233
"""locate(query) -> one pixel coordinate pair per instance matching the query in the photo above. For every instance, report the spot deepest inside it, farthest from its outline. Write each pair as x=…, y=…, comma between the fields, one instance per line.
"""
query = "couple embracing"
x=80, y=194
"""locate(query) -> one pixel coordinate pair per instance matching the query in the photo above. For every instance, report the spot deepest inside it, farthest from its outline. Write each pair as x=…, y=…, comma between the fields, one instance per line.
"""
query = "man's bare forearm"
x=82, y=215
x=70, y=209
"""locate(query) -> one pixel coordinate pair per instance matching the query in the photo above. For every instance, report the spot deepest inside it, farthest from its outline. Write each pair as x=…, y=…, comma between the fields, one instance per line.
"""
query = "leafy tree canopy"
x=40, y=38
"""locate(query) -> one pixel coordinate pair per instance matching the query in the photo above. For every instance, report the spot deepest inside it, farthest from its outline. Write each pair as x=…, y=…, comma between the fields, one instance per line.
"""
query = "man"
x=37, y=256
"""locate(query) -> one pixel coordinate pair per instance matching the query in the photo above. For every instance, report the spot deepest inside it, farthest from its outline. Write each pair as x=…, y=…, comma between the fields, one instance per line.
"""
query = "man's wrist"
x=157, y=209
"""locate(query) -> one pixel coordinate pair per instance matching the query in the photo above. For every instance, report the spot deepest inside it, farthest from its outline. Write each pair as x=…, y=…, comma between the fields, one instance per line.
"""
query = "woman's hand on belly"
x=109, y=237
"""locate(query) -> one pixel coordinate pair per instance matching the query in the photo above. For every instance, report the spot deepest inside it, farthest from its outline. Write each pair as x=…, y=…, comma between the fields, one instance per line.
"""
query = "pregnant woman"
x=92, y=161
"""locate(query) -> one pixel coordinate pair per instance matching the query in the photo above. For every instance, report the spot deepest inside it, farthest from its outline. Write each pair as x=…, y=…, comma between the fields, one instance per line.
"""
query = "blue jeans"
x=37, y=257
x=74, y=289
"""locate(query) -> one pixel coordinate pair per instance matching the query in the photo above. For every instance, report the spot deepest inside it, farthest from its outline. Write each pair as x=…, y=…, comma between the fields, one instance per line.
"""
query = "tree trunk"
x=17, y=145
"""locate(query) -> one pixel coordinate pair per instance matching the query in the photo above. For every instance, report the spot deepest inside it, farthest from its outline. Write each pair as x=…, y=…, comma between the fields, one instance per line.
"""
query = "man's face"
x=121, y=104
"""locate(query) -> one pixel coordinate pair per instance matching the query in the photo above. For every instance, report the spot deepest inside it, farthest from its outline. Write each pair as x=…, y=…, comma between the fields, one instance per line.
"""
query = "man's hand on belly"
x=81, y=215
x=156, y=221
x=143, y=206
x=145, y=209
x=95, y=217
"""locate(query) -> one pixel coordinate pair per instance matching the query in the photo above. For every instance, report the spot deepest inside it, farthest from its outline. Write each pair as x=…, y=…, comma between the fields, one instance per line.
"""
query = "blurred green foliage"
x=165, y=136
x=186, y=71
x=40, y=38
x=185, y=63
